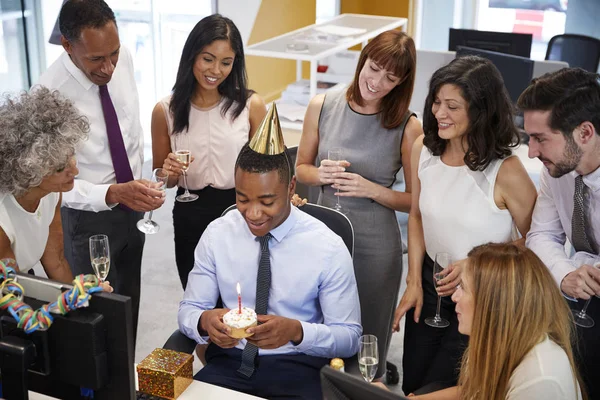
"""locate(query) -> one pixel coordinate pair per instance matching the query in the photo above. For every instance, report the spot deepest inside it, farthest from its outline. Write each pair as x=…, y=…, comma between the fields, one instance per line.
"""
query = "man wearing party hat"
x=295, y=272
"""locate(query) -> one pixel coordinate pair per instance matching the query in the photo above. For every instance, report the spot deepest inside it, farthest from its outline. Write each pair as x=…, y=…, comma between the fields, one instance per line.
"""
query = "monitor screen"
x=88, y=349
x=338, y=385
x=518, y=44
x=516, y=71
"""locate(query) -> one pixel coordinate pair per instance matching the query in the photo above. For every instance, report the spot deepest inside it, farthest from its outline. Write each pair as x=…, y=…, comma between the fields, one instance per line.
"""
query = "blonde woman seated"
x=520, y=330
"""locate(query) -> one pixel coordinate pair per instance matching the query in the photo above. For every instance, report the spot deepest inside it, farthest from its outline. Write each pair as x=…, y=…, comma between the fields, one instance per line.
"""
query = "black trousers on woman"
x=191, y=219
x=431, y=354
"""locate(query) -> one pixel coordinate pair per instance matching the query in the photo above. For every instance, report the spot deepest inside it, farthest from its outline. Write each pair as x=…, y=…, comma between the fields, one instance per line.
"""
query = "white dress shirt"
x=551, y=223
x=96, y=171
x=312, y=281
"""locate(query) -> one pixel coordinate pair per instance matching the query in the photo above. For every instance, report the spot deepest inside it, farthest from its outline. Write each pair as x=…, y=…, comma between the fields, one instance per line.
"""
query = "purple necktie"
x=115, y=139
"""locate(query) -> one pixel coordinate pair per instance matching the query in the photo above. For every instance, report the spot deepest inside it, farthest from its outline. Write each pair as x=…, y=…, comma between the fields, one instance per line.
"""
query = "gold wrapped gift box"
x=165, y=373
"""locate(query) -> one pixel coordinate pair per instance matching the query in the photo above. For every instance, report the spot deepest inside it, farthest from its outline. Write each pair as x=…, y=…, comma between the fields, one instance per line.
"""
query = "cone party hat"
x=268, y=138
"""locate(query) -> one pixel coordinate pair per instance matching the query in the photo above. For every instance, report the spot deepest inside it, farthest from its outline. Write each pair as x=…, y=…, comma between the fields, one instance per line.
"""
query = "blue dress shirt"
x=312, y=281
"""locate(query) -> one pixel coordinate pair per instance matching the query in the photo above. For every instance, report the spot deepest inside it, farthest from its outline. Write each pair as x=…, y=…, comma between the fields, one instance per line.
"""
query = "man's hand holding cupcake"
x=275, y=331
x=211, y=322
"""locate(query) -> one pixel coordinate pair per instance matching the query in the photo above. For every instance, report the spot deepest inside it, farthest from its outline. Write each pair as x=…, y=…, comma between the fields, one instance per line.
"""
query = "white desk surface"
x=197, y=390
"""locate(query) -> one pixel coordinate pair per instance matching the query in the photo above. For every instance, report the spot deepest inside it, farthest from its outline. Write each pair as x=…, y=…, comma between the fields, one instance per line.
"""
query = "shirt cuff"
x=193, y=319
x=559, y=272
x=309, y=334
x=97, y=198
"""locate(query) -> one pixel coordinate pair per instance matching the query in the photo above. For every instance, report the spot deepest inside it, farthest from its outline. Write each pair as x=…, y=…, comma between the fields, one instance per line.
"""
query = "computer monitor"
x=516, y=71
x=90, y=348
x=518, y=44
x=337, y=385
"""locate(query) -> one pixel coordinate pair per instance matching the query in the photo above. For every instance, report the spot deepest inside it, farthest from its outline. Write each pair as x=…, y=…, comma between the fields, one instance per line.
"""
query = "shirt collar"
x=286, y=226
x=591, y=180
x=76, y=72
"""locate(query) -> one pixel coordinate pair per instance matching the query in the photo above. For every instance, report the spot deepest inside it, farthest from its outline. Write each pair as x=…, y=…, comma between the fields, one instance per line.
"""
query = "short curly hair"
x=491, y=133
x=39, y=132
x=76, y=15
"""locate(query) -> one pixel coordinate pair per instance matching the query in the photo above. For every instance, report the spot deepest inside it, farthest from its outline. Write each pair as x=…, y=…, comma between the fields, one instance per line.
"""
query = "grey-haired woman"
x=39, y=131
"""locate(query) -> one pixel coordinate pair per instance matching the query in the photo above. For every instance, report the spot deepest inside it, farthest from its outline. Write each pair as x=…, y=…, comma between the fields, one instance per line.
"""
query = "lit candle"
x=239, y=298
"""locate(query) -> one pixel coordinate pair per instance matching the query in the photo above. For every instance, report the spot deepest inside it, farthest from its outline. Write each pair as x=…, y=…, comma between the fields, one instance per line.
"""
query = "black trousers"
x=431, y=354
x=587, y=348
x=126, y=247
x=275, y=377
x=191, y=219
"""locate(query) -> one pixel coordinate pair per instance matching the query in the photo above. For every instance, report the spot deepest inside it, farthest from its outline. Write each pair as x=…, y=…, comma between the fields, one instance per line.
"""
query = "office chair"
x=577, y=50
x=310, y=193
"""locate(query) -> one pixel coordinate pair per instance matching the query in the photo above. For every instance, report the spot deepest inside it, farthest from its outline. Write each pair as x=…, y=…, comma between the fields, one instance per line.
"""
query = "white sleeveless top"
x=28, y=232
x=214, y=141
x=458, y=208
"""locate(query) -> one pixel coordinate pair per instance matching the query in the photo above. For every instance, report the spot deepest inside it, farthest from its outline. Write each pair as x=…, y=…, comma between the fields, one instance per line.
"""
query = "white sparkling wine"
x=101, y=267
x=368, y=367
x=183, y=156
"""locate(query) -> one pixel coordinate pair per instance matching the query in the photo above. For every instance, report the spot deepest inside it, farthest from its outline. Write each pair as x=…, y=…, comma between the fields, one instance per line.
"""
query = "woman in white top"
x=467, y=190
x=39, y=132
x=212, y=113
x=520, y=330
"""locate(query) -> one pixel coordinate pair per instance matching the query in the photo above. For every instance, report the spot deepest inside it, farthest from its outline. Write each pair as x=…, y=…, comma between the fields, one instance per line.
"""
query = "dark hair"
x=251, y=161
x=572, y=94
x=234, y=89
x=76, y=15
x=393, y=51
x=491, y=131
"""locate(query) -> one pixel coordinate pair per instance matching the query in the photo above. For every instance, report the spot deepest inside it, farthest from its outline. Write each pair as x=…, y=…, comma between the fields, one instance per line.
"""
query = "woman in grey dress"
x=371, y=123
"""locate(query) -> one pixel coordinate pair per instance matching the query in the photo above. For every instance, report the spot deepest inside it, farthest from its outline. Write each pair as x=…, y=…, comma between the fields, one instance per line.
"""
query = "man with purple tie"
x=96, y=73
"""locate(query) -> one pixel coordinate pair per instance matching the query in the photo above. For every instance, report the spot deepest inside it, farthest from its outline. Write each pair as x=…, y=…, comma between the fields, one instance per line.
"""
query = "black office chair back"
x=310, y=193
x=335, y=220
x=577, y=50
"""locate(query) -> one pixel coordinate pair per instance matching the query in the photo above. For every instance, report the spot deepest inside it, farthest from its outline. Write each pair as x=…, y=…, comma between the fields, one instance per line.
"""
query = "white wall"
x=242, y=13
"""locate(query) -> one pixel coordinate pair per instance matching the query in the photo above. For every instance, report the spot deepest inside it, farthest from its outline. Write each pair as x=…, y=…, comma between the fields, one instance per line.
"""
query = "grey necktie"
x=263, y=284
x=579, y=238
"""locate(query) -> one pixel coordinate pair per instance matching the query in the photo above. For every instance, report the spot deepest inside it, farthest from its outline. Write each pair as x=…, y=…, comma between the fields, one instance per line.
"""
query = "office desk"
x=197, y=390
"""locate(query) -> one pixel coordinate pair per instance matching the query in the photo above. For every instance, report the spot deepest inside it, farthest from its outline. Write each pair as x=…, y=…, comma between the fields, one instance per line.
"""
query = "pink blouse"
x=214, y=141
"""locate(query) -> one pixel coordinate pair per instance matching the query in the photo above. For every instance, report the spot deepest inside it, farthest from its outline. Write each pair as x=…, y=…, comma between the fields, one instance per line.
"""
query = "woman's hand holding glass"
x=329, y=169
x=174, y=166
x=349, y=184
x=451, y=278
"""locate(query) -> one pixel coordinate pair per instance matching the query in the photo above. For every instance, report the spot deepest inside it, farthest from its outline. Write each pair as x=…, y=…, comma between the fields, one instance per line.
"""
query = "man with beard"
x=562, y=118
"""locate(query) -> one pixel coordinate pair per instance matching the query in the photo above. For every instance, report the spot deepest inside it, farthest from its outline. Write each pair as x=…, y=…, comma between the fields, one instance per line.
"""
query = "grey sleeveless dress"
x=374, y=153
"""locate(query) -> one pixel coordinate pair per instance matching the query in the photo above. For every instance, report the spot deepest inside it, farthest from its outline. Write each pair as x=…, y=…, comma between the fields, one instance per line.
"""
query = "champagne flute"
x=442, y=260
x=581, y=318
x=184, y=156
x=336, y=154
x=100, y=256
x=148, y=226
x=368, y=357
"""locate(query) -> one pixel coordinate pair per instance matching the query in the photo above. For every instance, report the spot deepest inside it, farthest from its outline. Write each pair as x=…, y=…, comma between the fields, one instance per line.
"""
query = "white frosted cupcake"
x=240, y=322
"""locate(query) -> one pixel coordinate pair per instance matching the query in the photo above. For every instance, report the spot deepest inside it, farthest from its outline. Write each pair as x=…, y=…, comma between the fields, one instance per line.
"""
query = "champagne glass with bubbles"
x=100, y=256
x=337, y=154
x=148, y=226
x=368, y=357
x=184, y=156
